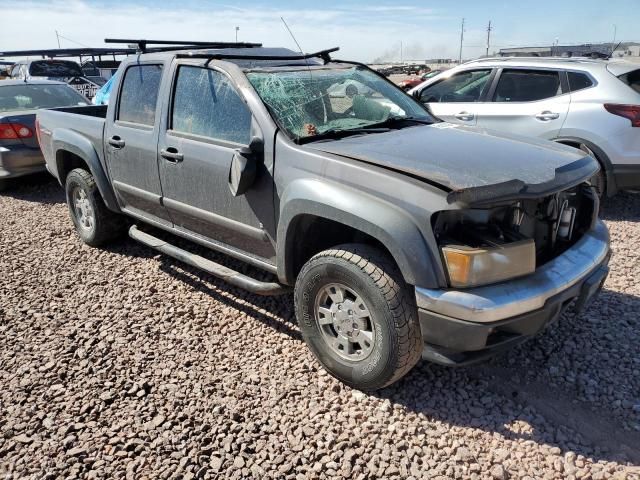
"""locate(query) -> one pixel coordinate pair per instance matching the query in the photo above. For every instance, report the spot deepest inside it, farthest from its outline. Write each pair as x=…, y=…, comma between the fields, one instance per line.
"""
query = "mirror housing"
x=244, y=166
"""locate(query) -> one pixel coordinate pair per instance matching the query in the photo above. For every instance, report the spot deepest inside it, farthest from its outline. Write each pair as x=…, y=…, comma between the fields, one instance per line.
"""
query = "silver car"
x=589, y=104
x=19, y=100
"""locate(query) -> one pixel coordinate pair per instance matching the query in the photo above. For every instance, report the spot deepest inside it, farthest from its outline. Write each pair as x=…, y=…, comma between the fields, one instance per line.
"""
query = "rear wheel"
x=599, y=180
x=94, y=222
x=4, y=184
x=358, y=316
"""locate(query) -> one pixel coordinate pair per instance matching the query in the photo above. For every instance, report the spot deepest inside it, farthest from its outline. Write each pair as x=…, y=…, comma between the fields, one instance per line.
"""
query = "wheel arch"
x=601, y=157
x=310, y=216
x=73, y=150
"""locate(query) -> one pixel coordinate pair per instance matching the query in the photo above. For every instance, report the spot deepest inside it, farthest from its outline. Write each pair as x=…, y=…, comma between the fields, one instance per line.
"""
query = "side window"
x=462, y=87
x=206, y=103
x=139, y=94
x=578, y=81
x=527, y=85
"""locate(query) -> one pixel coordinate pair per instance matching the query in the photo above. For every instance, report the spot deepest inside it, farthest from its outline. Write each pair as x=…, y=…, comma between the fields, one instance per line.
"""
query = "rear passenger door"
x=208, y=120
x=131, y=140
x=527, y=101
x=455, y=99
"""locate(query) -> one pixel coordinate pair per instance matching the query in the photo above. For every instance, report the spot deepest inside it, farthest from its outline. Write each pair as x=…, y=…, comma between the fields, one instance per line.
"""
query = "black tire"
x=4, y=184
x=106, y=225
x=375, y=278
x=599, y=180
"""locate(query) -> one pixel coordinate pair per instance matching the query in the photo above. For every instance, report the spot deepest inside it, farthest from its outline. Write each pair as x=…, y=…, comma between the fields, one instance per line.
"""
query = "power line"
x=488, y=37
x=69, y=40
x=461, y=40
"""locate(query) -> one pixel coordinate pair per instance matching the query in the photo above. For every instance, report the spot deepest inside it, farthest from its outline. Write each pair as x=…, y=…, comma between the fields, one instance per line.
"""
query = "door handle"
x=466, y=116
x=171, y=154
x=116, y=142
x=547, y=115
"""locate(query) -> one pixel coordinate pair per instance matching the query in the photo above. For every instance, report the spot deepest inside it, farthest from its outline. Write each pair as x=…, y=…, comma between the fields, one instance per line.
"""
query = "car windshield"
x=314, y=101
x=31, y=97
x=55, y=68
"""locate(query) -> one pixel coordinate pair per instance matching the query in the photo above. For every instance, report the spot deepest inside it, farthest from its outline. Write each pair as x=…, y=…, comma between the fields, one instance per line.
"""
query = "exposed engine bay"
x=541, y=229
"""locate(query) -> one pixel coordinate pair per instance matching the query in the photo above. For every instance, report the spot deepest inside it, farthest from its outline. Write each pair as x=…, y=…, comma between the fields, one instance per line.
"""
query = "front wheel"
x=94, y=222
x=358, y=316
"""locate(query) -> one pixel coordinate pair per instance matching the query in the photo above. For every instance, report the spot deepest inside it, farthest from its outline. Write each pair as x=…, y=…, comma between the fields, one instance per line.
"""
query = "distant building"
x=628, y=49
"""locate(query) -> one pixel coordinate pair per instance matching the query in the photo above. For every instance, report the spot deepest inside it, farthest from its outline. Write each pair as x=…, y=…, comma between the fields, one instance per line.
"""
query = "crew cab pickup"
x=401, y=236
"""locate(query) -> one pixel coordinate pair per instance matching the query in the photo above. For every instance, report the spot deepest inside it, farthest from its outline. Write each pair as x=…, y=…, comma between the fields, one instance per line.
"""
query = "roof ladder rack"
x=322, y=54
x=143, y=45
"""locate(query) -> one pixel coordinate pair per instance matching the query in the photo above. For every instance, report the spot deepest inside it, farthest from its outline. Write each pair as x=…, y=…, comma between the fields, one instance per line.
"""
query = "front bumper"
x=465, y=326
x=16, y=161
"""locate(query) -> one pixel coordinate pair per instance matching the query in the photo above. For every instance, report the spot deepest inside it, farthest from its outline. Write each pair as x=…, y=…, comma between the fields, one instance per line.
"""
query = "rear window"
x=632, y=79
x=31, y=97
x=527, y=85
x=579, y=81
x=139, y=94
x=54, y=68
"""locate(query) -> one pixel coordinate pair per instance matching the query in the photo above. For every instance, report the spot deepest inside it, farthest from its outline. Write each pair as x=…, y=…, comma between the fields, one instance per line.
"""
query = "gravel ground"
x=120, y=363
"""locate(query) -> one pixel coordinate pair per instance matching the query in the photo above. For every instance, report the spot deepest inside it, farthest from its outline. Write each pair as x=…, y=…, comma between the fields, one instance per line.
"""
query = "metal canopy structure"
x=143, y=44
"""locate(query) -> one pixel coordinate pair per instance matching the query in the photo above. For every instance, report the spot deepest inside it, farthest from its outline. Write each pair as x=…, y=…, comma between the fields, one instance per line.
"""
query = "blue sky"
x=363, y=30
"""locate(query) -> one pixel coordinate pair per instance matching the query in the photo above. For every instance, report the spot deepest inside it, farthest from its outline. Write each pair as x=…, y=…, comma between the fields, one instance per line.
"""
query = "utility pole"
x=488, y=37
x=401, y=51
x=237, y=28
x=461, y=39
x=58, y=38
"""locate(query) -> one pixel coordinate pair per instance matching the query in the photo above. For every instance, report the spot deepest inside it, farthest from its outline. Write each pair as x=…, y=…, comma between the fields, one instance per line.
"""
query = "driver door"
x=454, y=99
x=208, y=121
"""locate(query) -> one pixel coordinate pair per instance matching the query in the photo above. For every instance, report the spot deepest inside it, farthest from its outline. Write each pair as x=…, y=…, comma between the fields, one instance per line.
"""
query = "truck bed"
x=76, y=125
x=99, y=111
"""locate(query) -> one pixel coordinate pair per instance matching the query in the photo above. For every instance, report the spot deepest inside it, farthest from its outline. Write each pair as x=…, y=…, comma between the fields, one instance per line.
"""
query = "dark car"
x=19, y=100
x=66, y=71
x=401, y=236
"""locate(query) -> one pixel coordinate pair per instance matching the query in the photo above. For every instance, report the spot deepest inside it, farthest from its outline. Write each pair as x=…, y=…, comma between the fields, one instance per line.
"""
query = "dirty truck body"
x=401, y=236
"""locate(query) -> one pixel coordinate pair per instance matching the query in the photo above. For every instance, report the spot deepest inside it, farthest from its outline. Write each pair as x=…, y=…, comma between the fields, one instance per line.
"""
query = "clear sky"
x=364, y=30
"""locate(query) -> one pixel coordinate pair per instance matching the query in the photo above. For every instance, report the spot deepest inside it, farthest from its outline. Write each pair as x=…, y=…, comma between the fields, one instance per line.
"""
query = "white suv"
x=589, y=104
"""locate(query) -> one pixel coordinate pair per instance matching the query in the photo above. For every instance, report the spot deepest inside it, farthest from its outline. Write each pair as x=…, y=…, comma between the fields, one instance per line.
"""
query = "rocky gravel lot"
x=121, y=363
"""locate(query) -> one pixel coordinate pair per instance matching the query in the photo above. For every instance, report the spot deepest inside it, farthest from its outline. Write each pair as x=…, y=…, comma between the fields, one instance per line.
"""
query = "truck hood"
x=471, y=164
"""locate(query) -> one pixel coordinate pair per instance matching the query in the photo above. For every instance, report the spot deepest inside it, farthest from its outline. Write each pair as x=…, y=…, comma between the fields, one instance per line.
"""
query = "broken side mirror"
x=244, y=166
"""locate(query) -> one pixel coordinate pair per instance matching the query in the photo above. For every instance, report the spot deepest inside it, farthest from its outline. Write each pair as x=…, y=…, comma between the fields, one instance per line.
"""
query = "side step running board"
x=215, y=269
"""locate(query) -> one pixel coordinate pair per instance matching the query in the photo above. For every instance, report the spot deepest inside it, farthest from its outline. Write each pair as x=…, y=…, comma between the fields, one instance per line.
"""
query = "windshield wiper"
x=335, y=133
x=396, y=121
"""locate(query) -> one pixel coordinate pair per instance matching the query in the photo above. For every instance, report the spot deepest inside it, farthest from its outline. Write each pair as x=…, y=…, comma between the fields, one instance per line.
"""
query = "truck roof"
x=268, y=52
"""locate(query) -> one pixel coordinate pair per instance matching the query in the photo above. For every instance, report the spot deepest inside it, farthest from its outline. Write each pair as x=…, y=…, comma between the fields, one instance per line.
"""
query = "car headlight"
x=470, y=267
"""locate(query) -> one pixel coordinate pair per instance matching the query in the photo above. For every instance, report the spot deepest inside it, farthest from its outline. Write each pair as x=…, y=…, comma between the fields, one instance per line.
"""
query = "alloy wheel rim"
x=83, y=210
x=345, y=322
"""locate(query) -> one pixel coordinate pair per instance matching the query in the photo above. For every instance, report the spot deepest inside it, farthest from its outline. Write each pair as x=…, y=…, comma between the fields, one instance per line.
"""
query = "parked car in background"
x=19, y=100
x=401, y=236
x=431, y=74
x=409, y=83
x=60, y=70
x=589, y=104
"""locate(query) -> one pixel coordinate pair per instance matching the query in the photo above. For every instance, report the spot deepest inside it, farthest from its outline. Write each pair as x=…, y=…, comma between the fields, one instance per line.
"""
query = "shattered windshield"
x=316, y=101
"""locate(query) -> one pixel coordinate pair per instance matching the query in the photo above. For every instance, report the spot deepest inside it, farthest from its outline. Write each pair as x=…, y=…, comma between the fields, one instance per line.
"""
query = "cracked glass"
x=312, y=101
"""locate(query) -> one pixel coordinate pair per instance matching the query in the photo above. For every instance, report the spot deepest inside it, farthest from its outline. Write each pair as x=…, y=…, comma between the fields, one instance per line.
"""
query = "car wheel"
x=599, y=180
x=4, y=184
x=351, y=91
x=358, y=316
x=94, y=222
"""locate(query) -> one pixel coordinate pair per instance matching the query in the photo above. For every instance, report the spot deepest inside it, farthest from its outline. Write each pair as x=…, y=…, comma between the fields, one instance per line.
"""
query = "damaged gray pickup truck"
x=402, y=236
